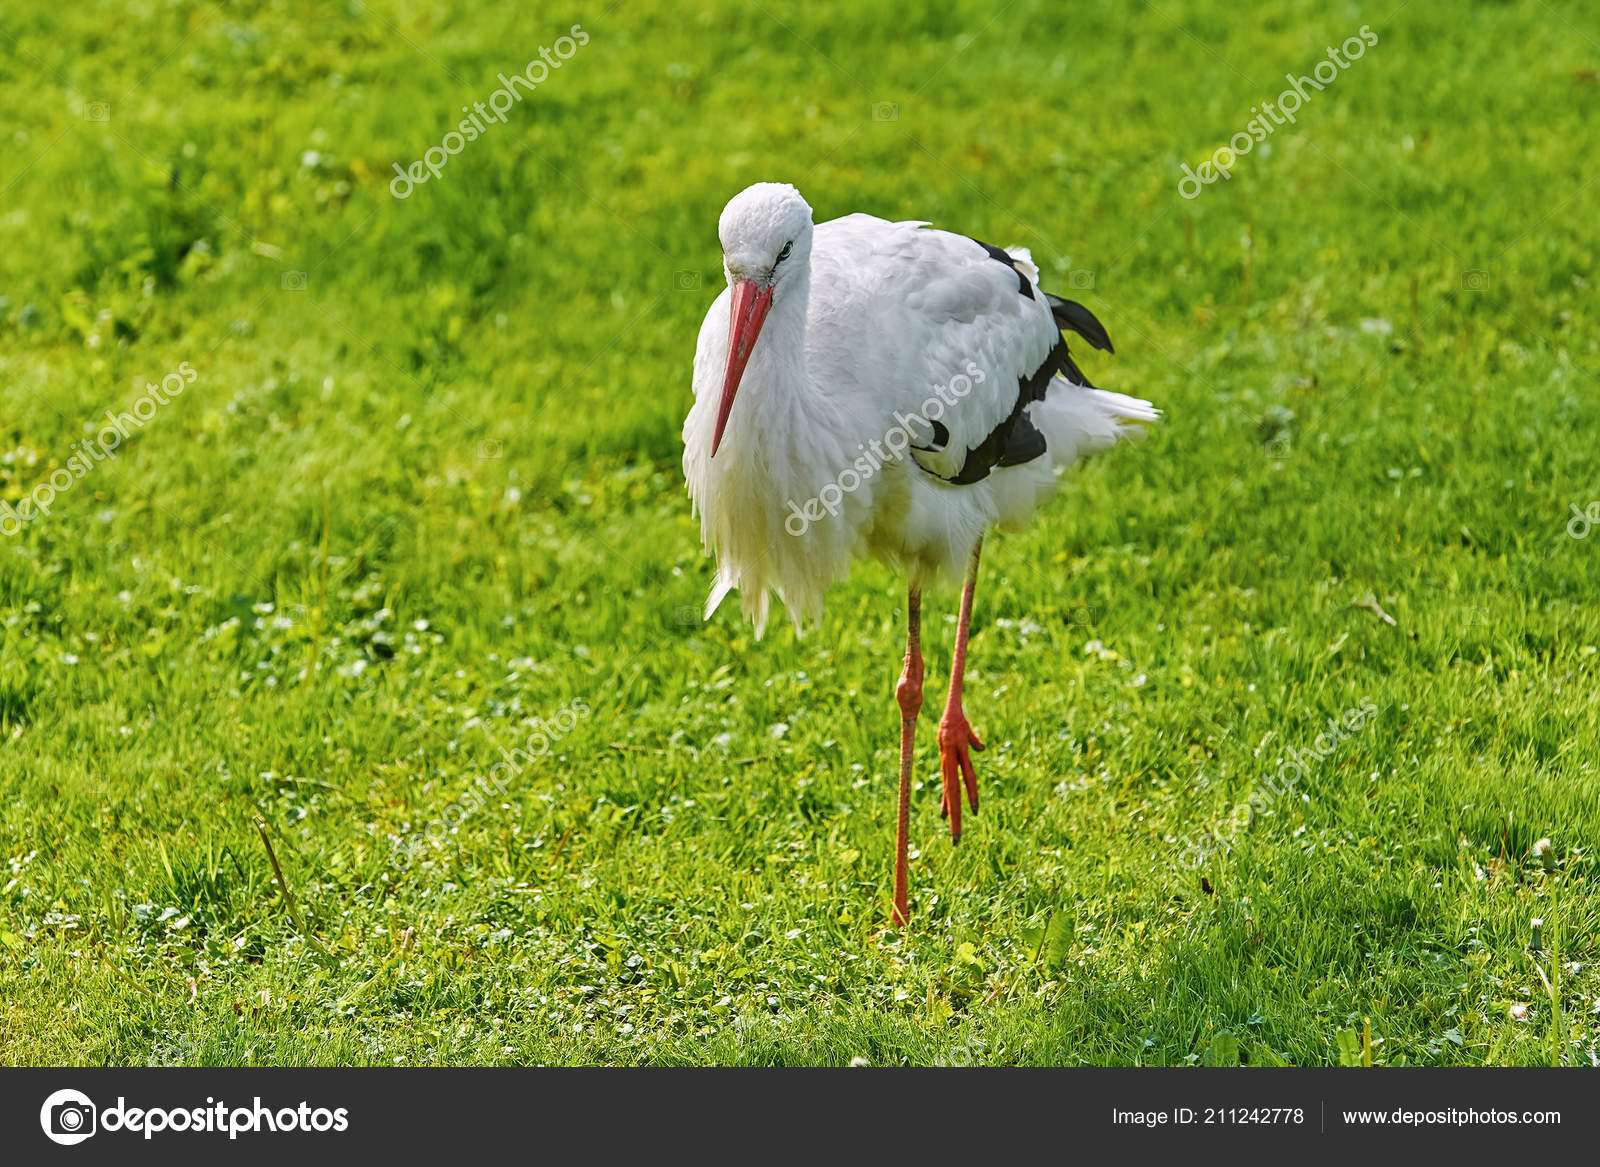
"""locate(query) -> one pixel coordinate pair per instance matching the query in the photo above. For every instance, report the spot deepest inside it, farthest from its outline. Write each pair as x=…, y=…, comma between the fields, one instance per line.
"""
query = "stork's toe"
x=956, y=745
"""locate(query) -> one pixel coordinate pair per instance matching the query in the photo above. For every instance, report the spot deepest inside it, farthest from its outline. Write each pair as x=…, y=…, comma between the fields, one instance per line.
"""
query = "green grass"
x=309, y=591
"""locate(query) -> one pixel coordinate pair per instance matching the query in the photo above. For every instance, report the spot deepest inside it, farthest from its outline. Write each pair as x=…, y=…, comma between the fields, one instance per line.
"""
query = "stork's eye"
x=784, y=254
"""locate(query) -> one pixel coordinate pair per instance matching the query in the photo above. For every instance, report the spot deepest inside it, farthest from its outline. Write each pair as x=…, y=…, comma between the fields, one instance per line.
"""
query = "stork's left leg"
x=956, y=739
x=908, y=695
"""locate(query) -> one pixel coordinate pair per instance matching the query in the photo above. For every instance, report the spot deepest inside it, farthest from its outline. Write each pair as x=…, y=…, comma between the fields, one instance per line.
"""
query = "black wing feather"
x=1017, y=440
x=1073, y=316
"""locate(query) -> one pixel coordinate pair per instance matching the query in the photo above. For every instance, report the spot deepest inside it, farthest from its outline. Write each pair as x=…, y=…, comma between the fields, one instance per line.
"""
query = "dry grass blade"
x=288, y=896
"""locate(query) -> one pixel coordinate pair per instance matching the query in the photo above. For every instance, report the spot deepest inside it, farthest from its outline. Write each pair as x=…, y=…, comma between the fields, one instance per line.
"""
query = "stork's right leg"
x=956, y=739
x=909, y=695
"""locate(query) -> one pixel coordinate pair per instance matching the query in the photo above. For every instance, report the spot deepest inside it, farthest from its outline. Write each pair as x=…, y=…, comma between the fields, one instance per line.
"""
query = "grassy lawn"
x=413, y=499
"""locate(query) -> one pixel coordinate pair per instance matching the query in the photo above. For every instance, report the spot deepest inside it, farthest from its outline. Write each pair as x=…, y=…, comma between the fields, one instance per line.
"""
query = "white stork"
x=864, y=387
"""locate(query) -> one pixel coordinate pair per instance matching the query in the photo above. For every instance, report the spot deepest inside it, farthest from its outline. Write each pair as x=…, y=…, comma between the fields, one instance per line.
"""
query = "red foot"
x=956, y=743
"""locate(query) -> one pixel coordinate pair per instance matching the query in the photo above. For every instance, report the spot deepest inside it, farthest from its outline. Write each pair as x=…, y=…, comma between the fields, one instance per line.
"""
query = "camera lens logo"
x=68, y=1117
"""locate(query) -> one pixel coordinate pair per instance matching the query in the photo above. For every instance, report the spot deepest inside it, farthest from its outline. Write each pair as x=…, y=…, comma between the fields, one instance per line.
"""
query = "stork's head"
x=766, y=246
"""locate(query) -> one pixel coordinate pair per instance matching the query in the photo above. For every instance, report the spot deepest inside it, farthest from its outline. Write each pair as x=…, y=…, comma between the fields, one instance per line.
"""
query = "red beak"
x=748, y=308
